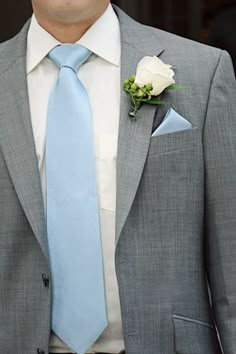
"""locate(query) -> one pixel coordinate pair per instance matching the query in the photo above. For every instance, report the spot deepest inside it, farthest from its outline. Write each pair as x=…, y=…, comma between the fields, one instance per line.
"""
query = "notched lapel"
x=133, y=141
x=17, y=144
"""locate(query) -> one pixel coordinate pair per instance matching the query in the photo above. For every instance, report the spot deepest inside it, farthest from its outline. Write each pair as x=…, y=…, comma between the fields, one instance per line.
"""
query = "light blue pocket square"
x=172, y=122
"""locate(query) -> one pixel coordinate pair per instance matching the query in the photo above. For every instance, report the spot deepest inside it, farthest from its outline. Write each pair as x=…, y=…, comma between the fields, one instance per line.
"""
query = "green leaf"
x=175, y=87
x=155, y=100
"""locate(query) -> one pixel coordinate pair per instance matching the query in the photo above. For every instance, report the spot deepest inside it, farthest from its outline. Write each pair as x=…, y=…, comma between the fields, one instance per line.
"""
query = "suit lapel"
x=134, y=136
x=17, y=141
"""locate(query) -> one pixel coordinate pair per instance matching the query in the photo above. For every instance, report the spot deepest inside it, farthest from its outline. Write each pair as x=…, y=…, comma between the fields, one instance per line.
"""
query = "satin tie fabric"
x=78, y=295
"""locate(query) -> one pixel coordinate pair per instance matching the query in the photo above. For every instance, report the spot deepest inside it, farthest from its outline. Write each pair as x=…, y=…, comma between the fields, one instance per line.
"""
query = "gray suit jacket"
x=176, y=207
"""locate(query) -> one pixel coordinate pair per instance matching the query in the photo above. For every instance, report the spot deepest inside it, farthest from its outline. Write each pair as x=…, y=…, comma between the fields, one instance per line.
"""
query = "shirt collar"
x=102, y=38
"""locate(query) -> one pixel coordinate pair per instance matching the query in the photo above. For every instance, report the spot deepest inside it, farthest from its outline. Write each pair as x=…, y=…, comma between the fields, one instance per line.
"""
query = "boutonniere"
x=152, y=78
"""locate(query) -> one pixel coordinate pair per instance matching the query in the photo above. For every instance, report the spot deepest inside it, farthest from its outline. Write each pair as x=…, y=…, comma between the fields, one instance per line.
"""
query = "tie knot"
x=69, y=55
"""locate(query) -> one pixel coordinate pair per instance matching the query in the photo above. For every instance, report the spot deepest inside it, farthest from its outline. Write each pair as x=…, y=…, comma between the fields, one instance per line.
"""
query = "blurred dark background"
x=207, y=21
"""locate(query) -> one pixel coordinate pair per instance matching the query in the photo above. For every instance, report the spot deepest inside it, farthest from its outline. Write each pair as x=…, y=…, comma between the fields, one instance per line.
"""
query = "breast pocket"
x=173, y=141
x=194, y=337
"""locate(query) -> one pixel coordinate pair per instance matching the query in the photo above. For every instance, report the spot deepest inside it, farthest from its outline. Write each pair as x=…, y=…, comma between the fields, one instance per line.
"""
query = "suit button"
x=40, y=351
x=45, y=280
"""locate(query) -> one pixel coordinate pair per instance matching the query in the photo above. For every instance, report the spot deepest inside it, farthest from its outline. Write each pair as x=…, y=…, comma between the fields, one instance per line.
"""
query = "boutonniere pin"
x=152, y=78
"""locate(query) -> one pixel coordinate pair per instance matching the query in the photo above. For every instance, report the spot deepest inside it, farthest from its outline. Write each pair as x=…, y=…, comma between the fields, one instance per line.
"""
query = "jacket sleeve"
x=219, y=142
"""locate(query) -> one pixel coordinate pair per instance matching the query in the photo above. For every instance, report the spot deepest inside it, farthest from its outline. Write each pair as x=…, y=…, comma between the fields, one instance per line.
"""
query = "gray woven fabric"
x=176, y=206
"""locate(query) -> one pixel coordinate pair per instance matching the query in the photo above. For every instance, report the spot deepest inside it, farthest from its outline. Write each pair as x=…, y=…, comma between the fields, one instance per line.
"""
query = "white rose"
x=151, y=70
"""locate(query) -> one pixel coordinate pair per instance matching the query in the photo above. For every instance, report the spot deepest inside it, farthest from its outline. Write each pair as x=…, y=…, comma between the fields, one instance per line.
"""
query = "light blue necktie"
x=78, y=302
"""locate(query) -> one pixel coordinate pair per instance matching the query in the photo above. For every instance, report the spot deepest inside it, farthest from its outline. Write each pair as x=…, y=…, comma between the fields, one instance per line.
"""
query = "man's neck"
x=66, y=32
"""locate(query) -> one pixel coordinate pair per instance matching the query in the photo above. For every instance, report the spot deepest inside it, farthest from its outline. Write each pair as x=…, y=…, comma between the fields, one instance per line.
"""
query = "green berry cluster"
x=135, y=90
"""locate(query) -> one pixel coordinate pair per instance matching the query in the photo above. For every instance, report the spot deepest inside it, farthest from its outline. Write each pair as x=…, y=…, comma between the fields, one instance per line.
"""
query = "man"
x=167, y=202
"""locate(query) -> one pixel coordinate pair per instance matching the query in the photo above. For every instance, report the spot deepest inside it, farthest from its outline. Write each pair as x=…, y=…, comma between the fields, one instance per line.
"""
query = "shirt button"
x=40, y=351
x=45, y=280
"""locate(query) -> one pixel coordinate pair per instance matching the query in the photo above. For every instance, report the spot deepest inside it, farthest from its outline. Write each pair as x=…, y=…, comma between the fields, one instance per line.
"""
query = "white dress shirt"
x=101, y=78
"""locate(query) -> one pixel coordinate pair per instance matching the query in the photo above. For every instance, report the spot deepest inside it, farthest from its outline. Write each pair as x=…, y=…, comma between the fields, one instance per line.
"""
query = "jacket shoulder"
x=183, y=47
x=13, y=49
